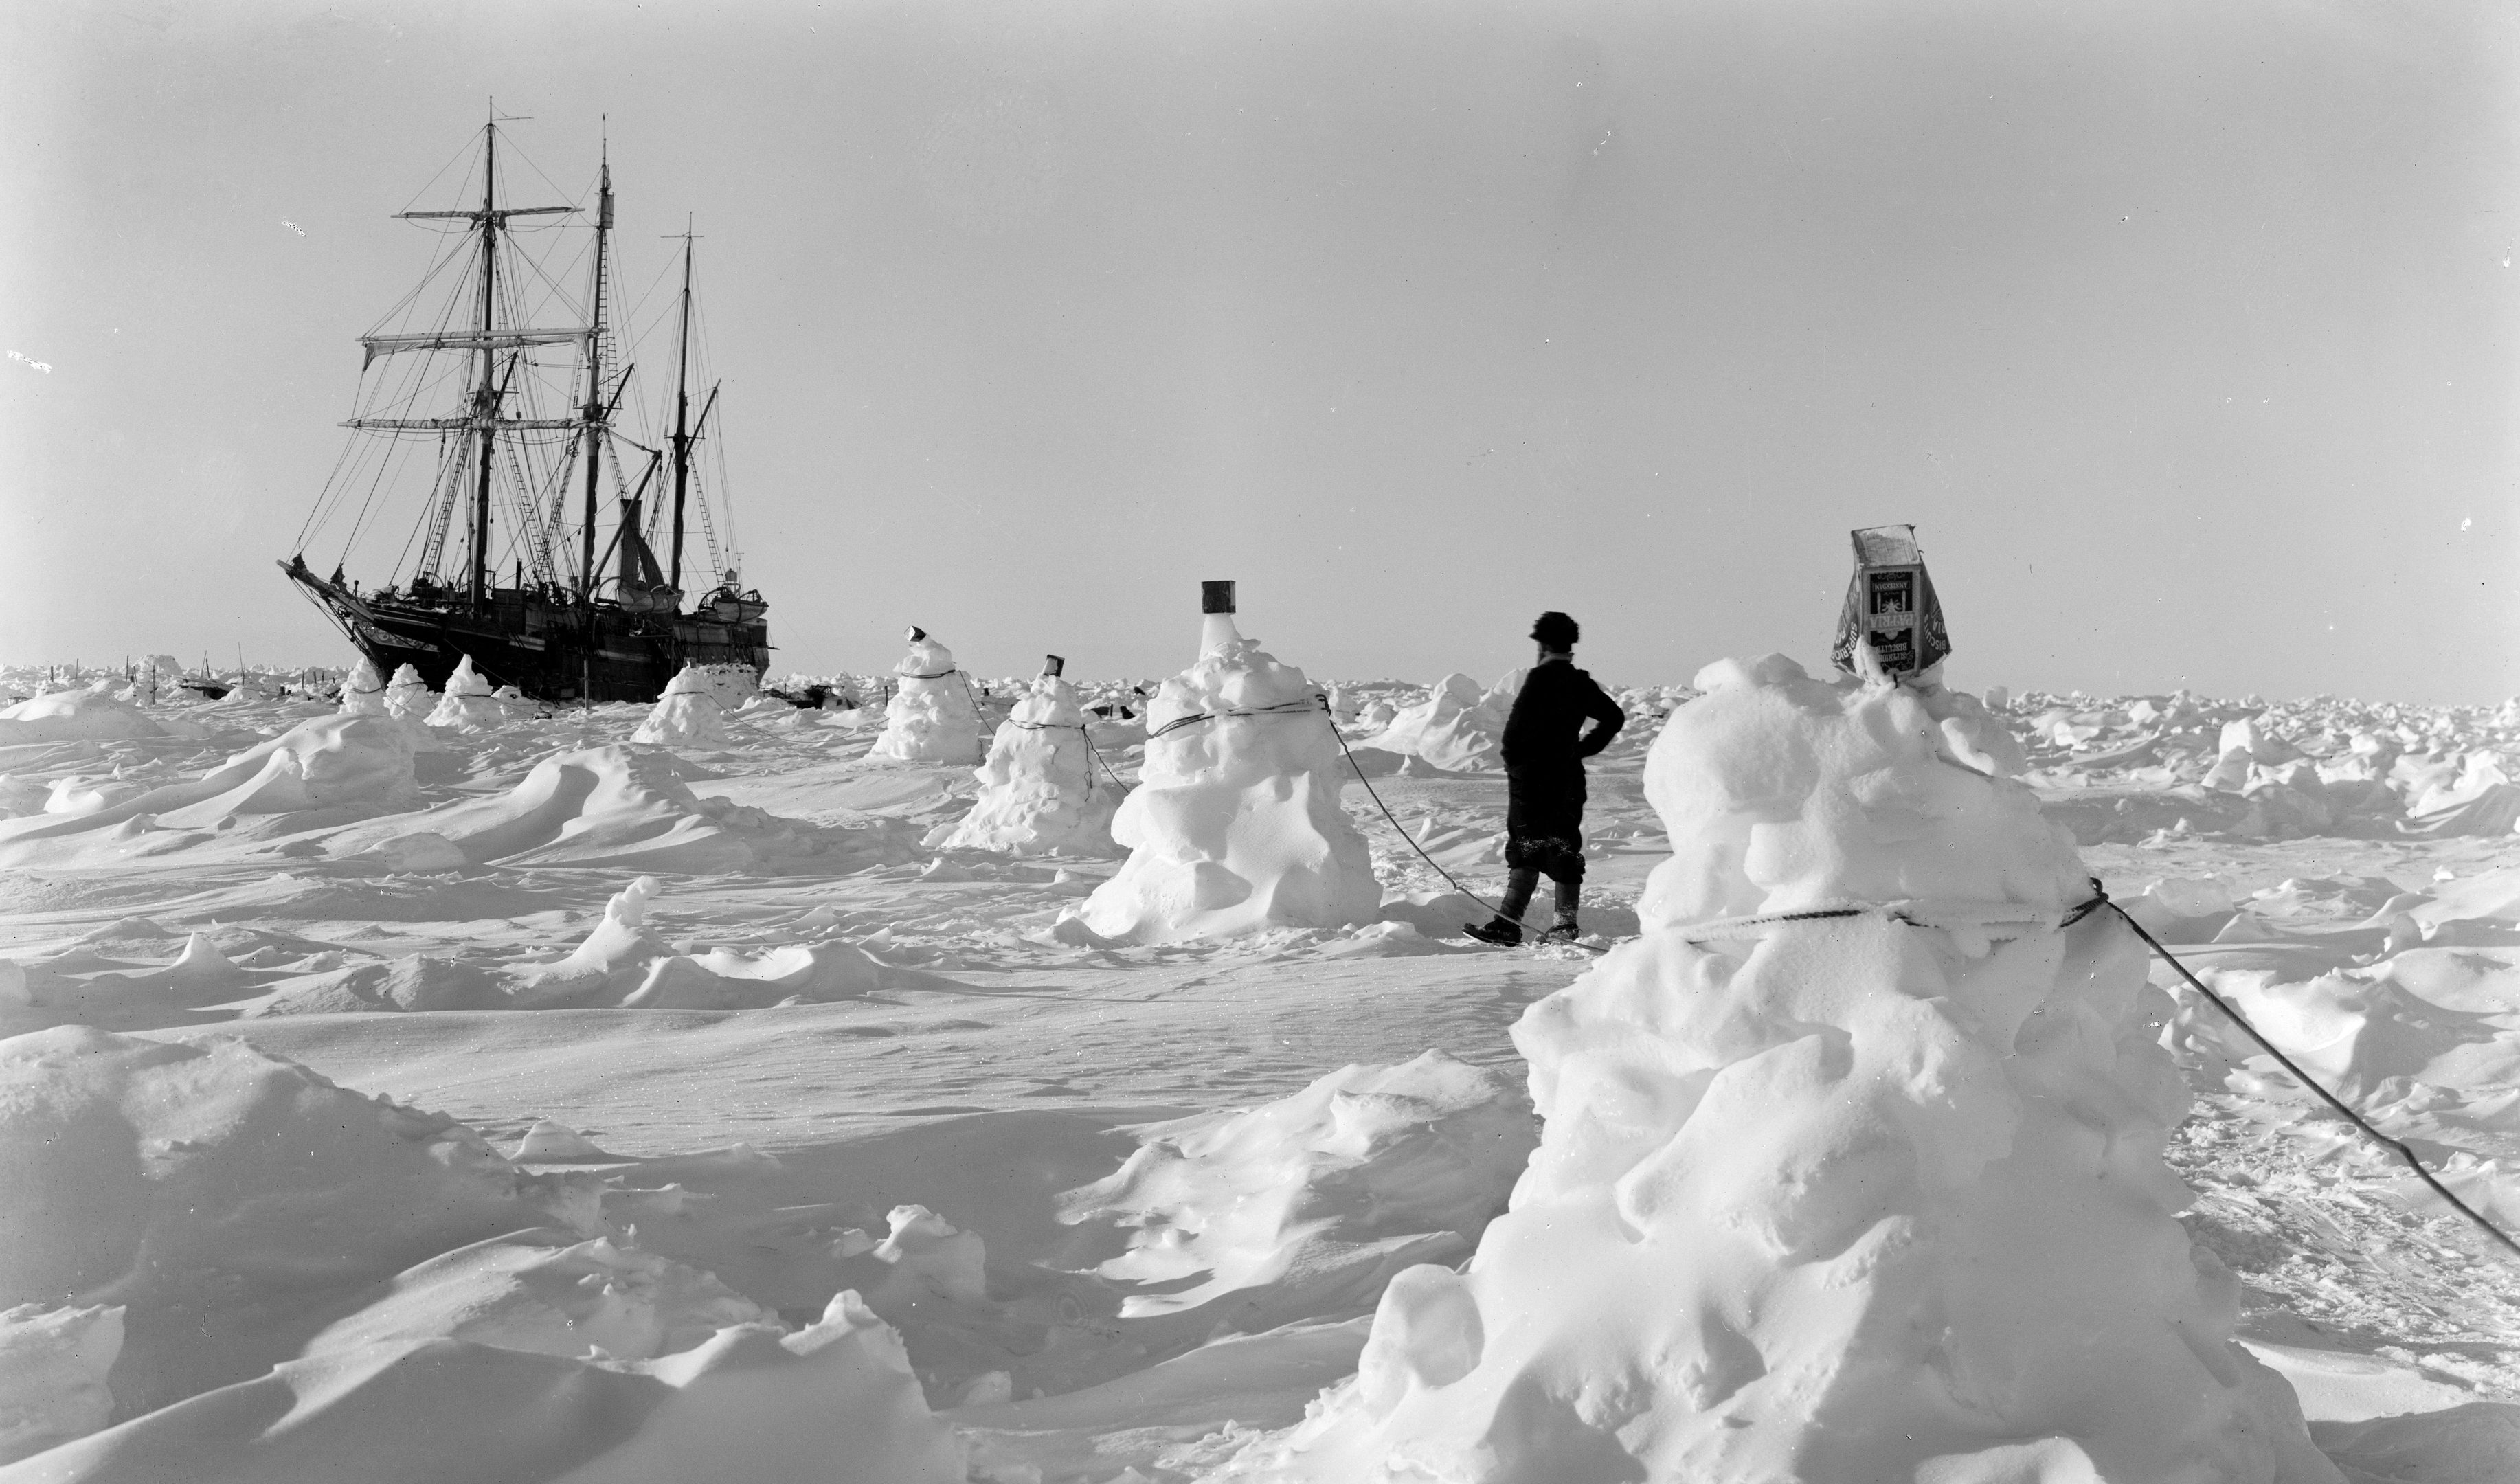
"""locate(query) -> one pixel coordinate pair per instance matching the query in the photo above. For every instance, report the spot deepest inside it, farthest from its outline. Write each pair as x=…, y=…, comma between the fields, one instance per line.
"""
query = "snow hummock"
x=1458, y=727
x=689, y=715
x=1365, y=1172
x=90, y=715
x=52, y=1367
x=1865, y=1198
x=613, y=805
x=1236, y=825
x=198, y=1184
x=470, y=704
x=363, y=691
x=931, y=719
x=409, y=696
x=1037, y=791
x=332, y=769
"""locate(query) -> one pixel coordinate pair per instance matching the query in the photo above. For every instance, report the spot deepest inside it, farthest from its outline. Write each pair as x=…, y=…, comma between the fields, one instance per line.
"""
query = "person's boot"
x=1565, y=931
x=1505, y=930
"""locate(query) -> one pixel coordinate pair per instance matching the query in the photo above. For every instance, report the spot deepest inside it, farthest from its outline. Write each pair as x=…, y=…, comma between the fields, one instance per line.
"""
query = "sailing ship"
x=536, y=426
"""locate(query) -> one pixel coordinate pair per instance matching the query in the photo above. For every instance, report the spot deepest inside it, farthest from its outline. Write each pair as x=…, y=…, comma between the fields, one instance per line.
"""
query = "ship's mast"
x=486, y=395
x=595, y=419
x=682, y=412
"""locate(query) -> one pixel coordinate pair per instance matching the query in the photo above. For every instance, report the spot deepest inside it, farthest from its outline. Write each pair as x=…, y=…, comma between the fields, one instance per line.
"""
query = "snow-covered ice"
x=1873, y=1196
x=736, y=1129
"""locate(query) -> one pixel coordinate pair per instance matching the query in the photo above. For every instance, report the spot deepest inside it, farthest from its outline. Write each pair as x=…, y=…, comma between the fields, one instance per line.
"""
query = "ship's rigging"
x=507, y=405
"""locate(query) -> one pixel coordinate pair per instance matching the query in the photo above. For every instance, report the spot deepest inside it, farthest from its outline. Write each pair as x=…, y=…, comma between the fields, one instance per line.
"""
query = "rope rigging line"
x=1082, y=729
x=2395, y=1146
x=1282, y=708
x=1331, y=720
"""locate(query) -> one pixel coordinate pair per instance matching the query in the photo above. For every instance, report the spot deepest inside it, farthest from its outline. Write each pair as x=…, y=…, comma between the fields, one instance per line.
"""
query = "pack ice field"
x=933, y=1076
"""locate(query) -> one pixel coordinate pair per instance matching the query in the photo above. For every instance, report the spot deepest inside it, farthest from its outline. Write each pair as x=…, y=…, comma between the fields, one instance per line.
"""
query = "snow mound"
x=200, y=1185
x=931, y=719
x=689, y=715
x=622, y=961
x=545, y=1292
x=600, y=806
x=1236, y=825
x=1879, y=1197
x=1794, y=795
x=551, y=1140
x=325, y=771
x=728, y=980
x=1458, y=727
x=468, y=704
x=1038, y=792
x=319, y=763
x=416, y=982
x=363, y=691
x=90, y=715
x=52, y=1365
x=407, y=696
x=1291, y=1205
x=833, y=1402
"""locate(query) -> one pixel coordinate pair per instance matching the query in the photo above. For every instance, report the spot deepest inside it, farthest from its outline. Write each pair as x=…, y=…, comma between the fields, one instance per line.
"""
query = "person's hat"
x=1556, y=631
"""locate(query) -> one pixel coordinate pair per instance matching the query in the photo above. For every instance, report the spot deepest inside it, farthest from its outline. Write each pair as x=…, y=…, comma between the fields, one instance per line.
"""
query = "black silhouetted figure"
x=1545, y=746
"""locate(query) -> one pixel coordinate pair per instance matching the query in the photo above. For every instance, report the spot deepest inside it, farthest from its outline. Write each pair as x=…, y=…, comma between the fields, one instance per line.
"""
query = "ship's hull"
x=551, y=649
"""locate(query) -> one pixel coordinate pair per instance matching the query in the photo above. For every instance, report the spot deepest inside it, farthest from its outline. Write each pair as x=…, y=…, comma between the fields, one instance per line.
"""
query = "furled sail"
x=462, y=339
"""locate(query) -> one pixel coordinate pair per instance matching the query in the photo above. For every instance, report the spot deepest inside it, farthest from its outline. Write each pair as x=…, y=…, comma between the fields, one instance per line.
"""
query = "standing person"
x=1545, y=748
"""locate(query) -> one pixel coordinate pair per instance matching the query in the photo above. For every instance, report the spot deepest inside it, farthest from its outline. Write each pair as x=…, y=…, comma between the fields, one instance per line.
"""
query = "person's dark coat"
x=1543, y=765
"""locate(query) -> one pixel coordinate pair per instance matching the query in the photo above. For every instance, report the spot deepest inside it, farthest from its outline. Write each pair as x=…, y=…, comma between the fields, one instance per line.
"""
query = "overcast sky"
x=2184, y=334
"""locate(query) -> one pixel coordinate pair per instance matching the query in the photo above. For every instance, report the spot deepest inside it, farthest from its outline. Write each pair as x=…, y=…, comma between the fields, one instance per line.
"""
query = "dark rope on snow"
x=2395, y=1146
x=1332, y=720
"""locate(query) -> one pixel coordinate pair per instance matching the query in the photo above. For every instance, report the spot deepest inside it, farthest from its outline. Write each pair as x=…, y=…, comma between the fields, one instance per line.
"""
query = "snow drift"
x=599, y=806
x=90, y=715
x=1875, y=1196
x=1284, y=1209
x=1458, y=727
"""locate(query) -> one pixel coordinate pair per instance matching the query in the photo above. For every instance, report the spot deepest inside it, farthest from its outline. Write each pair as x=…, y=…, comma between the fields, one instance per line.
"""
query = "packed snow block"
x=930, y=718
x=1038, y=792
x=1458, y=728
x=1865, y=1197
x=409, y=696
x=1235, y=824
x=53, y=1367
x=1308, y=1205
x=201, y=1185
x=689, y=715
x=470, y=704
x=363, y=690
